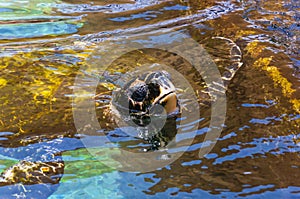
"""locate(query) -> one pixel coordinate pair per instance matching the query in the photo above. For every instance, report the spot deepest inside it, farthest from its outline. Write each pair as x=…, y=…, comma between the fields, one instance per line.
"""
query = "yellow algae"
x=286, y=86
x=241, y=33
x=263, y=63
x=18, y=61
x=296, y=104
x=3, y=82
x=254, y=49
x=83, y=55
x=275, y=75
x=109, y=86
x=46, y=87
x=3, y=65
x=69, y=51
x=46, y=93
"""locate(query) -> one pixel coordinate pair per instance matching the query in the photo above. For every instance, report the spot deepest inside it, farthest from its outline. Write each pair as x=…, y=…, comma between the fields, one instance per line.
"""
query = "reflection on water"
x=28, y=19
x=46, y=45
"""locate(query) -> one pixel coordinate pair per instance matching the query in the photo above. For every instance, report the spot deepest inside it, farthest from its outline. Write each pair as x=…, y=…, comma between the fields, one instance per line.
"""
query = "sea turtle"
x=141, y=96
x=147, y=97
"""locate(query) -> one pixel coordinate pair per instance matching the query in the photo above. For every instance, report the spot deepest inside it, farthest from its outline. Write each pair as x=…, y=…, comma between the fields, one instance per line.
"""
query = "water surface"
x=47, y=45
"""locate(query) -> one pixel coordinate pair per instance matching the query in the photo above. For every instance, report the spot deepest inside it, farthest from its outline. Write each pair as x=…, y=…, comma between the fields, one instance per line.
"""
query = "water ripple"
x=261, y=147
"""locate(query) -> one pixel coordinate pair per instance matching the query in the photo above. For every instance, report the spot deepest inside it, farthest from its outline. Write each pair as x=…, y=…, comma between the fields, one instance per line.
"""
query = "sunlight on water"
x=28, y=19
x=58, y=57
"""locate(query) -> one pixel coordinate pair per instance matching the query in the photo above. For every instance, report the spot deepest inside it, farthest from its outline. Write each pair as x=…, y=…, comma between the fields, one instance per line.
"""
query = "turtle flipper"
x=236, y=58
x=219, y=88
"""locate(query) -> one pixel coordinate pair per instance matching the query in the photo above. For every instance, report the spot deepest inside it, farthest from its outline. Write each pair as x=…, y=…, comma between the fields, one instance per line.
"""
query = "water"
x=53, y=55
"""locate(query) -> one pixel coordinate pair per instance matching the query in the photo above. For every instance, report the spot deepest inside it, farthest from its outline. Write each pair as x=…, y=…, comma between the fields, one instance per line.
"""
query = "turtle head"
x=137, y=95
x=139, y=92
